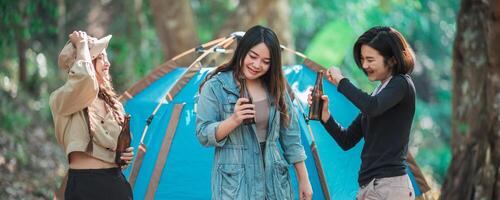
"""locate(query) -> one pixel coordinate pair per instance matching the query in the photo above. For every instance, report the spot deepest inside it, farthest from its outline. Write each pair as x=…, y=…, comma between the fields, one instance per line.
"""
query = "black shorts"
x=97, y=184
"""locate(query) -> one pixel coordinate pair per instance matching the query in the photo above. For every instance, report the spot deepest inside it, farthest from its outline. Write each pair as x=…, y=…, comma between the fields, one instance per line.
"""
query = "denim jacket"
x=238, y=170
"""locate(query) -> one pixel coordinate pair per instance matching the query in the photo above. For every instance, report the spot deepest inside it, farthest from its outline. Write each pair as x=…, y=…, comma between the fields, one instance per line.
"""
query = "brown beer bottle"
x=123, y=140
x=245, y=94
x=316, y=108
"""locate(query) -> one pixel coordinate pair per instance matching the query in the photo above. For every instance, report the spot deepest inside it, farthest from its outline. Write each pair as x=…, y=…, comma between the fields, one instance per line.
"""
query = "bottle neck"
x=244, y=89
x=319, y=81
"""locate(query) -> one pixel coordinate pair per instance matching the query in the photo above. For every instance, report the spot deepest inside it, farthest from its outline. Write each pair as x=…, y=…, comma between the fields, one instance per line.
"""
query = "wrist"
x=340, y=79
x=81, y=43
x=234, y=120
x=325, y=117
x=303, y=178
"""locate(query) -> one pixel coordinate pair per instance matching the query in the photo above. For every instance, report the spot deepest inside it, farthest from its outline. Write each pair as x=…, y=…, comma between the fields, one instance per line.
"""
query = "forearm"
x=301, y=171
x=82, y=51
x=325, y=116
x=225, y=127
x=345, y=138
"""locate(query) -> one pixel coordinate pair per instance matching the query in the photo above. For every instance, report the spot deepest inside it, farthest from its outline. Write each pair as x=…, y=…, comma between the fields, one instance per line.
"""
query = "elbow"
x=88, y=83
x=206, y=135
x=202, y=139
x=344, y=144
x=345, y=147
x=295, y=154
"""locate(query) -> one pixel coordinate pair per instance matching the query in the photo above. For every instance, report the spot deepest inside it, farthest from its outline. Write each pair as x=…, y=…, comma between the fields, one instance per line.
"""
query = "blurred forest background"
x=147, y=33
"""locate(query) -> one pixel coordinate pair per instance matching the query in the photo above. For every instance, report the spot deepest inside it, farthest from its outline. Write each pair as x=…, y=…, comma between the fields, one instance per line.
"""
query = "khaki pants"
x=397, y=188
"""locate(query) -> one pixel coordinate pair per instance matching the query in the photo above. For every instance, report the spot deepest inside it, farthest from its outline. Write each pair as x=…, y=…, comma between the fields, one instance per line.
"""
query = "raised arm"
x=373, y=106
x=81, y=88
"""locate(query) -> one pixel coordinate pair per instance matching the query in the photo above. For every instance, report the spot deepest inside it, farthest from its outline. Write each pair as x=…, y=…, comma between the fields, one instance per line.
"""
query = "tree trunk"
x=61, y=21
x=279, y=20
x=136, y=23
x=474, y=169
x=247, y=14
x=21, y=52
x=22, y=42
x=99, y=17
x=175, y=26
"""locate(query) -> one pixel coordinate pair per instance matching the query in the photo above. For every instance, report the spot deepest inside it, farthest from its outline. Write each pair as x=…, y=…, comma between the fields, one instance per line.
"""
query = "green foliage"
x=13, y=120
x=435, y=160
x=332, y=44
x=324, y=29
x=211, y=15
x=27, y=20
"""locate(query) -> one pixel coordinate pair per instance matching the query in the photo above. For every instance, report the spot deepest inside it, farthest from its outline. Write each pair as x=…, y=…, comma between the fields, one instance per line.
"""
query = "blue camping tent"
x=176, y=166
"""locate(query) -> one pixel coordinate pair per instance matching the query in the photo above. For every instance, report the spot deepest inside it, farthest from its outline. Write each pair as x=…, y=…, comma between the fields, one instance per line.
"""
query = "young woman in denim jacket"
x=249, y=163
x=386, y=115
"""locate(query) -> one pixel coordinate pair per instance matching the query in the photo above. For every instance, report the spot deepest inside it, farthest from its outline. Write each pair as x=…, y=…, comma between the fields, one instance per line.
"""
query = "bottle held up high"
x=123, y=140
x=316, y=109
x=245, y=94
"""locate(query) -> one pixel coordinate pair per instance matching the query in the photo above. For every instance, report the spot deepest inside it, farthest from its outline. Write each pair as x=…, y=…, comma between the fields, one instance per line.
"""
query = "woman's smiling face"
x=102, y=65
x=374, y=64
x=256, y=62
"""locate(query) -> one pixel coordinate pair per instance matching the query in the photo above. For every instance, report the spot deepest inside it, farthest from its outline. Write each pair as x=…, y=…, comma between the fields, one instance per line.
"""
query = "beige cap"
x=68, y=53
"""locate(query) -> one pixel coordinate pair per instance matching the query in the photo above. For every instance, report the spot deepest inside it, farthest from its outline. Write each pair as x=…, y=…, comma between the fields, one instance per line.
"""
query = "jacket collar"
x=228, y=82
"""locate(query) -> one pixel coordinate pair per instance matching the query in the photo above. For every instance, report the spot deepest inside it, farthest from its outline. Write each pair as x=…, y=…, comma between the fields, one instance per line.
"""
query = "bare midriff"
x=81, y=160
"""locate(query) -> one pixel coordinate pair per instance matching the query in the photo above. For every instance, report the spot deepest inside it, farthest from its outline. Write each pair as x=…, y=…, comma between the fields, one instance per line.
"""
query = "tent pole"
x=314, y=150
x=313, y=146
x=194, y=66
x=203, y=46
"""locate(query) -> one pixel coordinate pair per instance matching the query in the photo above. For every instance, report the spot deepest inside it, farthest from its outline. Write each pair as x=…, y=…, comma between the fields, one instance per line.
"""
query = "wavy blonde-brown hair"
x=108, y=95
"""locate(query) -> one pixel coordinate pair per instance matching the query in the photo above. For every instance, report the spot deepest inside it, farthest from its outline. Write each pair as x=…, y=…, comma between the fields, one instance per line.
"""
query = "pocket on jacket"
x=228, y=106
x=282, y=184
x=105, y=139
x=230, y=180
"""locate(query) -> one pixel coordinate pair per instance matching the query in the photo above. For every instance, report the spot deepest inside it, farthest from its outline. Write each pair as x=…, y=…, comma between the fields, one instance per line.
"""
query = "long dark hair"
x=391, y=45
x=273, y=79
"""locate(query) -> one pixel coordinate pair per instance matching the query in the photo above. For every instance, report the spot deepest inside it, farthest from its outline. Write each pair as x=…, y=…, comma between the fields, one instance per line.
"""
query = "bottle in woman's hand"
x=316, y=106
x=245, y=94
x=124, y=140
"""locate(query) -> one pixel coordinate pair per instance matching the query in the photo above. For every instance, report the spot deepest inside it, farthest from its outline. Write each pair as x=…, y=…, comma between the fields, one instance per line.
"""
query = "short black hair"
x=390, y=44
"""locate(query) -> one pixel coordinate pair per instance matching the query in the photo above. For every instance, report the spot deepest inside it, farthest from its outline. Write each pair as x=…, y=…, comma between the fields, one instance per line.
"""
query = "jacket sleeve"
x=207, y=117
x=373, y=106
x=346, y=138
x=79, y=91
x=290, y=139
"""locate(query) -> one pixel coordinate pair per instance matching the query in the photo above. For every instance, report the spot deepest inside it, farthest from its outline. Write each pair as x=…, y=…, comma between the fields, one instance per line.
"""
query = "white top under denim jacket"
x=238, y=170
